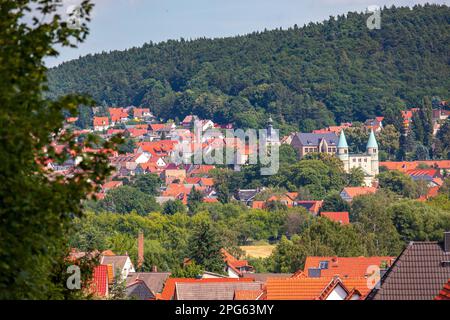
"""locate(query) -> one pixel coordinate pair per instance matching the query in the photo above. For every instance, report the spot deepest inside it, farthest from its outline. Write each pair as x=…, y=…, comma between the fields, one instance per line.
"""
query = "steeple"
x=372, y=143
x=342, y=140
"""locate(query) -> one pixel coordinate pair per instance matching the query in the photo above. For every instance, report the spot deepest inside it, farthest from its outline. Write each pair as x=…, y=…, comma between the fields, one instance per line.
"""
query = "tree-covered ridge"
x=308, y=77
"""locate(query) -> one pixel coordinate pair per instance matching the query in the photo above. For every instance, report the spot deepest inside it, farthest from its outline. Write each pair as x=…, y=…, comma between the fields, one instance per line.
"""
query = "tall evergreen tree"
x=205, y=248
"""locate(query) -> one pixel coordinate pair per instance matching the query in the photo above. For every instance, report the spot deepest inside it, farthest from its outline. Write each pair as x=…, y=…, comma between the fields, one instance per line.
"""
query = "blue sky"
x=121, y=24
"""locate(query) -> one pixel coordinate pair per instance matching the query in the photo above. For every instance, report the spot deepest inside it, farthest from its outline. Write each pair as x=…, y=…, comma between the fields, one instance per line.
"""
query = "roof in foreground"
x=213, y=291
x=345, y=267
x=419, y=273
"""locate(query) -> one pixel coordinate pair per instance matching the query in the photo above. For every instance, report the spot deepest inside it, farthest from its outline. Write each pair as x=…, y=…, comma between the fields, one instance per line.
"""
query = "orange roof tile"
x=101, y=121
x=341, y=217
x=247, y=294
x=444, y=294
x=258, y=204
x=346, y=266
x=309, y=288
x=358, y=191
x=99, y=285
x=408, y=165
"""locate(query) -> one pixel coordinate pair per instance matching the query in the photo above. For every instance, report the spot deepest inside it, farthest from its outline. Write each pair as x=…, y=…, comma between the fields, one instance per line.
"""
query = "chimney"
x=447, y=242
x=334, y=261
x=154, y=269
x=140, y=250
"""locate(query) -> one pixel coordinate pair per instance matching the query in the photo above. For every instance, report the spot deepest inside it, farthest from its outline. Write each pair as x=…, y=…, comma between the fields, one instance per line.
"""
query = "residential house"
x=188, y=121
x=404, y=166
x=99, y=285
x=375, y=124
x=204, y=125
x=111, y=185
x=142, y=113
x=119, y=263
x=101, y=123
x=348, y=193
x=313, y=206
x=407, y=116
x=419, y=273
x=145, y=285
x=305, y=288
x=170, y=287
x=118, y=115
x=344, y=267
x=174, y=176
x=247, y=195
x=336, y=129
x=235, y=268
x=339, y=217
x=215, y=290
x=433, y=177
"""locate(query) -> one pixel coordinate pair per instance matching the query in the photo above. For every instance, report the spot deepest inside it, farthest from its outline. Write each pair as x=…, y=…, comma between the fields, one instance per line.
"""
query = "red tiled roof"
x=210, y=200
x=346, y=266
x=71, y=119
x=358, y=191
x=101, y=121
x=117, y=114
x=138, y=112
x=409, y=165
x=247, y=294
x=313, y=206
x=234, y=263
x=341, y=217
x=134, y=133
x=112, y=184
x=100, y=281
x=157, y=126
x=308, y=288
x=444, y=294
x=158, y=148
x=258, y=204
x=169, y=287
x=423, y=172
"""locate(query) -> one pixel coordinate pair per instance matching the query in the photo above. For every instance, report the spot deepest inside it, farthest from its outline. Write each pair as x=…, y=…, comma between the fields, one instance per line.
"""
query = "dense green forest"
x=305, y=77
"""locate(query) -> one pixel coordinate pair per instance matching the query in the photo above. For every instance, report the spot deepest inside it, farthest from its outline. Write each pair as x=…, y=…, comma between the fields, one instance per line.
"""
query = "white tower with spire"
x=372, y=150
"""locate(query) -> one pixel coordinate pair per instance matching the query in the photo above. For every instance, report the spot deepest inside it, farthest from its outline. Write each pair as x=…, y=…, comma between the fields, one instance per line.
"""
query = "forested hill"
x=306, y=77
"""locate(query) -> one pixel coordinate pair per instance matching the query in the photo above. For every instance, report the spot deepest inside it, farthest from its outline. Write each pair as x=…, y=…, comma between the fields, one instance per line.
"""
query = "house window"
x=354, y=160
x=365, y=160
x=323, y=265
x=359, y=160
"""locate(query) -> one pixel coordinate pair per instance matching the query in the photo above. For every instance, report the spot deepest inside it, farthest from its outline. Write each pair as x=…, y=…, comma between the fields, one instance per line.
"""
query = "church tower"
x=272, y=134
x=342, y=150
x=372, y=150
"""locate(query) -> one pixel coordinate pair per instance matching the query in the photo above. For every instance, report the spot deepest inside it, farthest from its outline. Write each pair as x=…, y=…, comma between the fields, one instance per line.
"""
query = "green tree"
x=37, y=206
x=416, y=221
x=399, y=183
x=334, y=203
x=355, y=177
x=442, y=141
x=371, y=218
x=128, y=146
x=174, y=206
x=195, y=198
x=205, y=247
x=126, y=199
x=148, y=183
